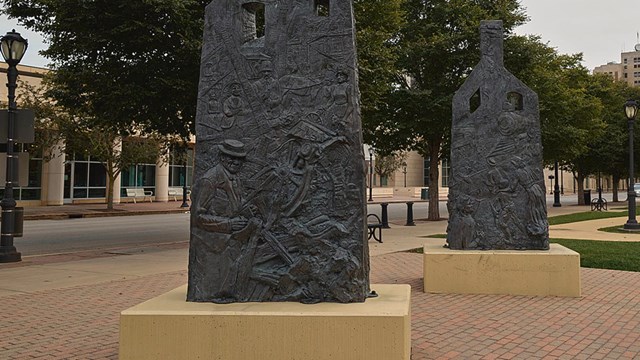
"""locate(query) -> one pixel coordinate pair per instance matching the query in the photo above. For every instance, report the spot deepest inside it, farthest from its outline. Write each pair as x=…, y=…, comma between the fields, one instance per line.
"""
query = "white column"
x=54, y=175
x=162, y=180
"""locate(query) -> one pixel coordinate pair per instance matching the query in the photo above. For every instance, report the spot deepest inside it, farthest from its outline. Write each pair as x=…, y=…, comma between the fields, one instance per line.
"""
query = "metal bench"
x=139, y=193
x=374, y=228
x=598, y=204
x=177, y=191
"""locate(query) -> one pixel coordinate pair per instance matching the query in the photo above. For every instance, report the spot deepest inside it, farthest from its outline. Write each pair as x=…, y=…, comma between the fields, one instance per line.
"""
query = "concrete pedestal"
x=168, y=327
x=555, y=272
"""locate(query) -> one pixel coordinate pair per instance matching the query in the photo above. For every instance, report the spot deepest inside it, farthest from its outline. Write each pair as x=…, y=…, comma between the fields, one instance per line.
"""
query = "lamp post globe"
x=12, y=46
x=631, y=110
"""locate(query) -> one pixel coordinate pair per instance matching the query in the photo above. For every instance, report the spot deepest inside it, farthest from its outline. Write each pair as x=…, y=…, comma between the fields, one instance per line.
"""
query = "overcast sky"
x=599, y=29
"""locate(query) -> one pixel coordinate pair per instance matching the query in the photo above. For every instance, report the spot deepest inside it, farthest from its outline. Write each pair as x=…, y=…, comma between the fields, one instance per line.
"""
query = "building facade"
x=628, y=69
x=613, y=69
x=71, y=179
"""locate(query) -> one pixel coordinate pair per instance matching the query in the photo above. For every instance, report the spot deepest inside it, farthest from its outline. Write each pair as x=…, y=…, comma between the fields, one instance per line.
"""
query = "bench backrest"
x=135, y=192
x=177, y=191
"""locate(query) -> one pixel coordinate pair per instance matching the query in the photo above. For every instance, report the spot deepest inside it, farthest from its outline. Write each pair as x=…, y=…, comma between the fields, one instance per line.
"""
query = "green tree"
x=114, y=150
x=385, y=166
x=378, y=23
x=131, y=64
x=569, y=114
x=47, y=116
x=438, y=45
x=80, y=135
x=609, y=150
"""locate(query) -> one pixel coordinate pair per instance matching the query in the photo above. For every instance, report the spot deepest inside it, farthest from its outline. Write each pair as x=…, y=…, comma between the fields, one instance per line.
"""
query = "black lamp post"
x=404, y=171
x=370, y=174
x=185, y=152
x=631, y=109
x=556, y=188
x=599, y=187
x=551, y=177
x=13, y=46
x=184, y=204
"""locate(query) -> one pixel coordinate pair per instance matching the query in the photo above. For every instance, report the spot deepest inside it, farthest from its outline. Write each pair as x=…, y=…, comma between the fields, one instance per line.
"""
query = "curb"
x=80, y=215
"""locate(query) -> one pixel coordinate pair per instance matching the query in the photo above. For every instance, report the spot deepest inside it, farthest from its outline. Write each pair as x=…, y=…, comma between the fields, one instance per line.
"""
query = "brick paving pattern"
x=82, y=322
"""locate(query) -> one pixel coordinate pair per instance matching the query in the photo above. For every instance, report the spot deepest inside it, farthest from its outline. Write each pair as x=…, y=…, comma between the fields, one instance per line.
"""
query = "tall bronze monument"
x=496, y=195
x=278, y=210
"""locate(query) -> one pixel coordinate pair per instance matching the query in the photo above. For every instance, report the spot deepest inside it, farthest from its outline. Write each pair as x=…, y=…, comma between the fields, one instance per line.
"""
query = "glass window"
x=427, y=167
x=140, y=176
x=97, y=175
x=79, y=193
x=98, y=193
x=176, y=169
x=35, y=172
x=80, y=174
x=445, y=173
x=89, y=178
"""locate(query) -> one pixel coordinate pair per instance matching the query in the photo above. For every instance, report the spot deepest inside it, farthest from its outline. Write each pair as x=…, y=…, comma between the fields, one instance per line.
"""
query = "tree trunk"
x=616, y=185
x=111, y=180
x=434, y=174
x=580, y=180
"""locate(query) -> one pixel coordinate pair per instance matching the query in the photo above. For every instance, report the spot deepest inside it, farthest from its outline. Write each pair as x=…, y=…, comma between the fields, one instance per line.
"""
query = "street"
x=64, y=236
x=43, y=237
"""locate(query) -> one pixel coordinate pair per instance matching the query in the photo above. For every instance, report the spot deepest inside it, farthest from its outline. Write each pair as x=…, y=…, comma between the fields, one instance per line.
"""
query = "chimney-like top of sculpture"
x=491, y=41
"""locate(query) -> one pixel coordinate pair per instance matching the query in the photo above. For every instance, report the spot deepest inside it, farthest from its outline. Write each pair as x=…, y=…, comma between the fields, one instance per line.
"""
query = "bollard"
x=410, y=214
x=385, y=216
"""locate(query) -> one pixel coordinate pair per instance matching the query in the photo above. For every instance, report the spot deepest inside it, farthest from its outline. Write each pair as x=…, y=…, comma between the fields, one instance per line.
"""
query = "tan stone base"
x=168, y=327
x=555, y=272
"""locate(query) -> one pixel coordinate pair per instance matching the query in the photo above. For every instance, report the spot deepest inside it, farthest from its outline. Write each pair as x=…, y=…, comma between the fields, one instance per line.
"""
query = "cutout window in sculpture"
x=475, y=101
x=515, y=99
x=322, y=7
x=253, y=22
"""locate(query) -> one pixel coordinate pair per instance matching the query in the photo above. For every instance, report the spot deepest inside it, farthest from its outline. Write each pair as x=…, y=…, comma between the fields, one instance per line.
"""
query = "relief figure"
x=268, y=89
x=221, y=225
x=337, y=96
x=234, y=109
x=535, y=195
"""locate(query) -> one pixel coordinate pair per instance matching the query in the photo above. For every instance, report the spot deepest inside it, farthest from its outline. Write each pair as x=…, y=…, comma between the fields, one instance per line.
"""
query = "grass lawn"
x=612, y=255
x=617, y=230
x=585, y=216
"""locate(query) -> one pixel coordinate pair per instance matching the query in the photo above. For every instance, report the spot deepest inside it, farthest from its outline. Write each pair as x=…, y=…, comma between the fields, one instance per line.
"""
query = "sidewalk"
x=100, y=210
x=70, y=309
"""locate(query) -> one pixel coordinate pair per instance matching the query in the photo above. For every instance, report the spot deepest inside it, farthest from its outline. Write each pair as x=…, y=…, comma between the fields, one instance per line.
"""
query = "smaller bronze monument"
x=496, y=194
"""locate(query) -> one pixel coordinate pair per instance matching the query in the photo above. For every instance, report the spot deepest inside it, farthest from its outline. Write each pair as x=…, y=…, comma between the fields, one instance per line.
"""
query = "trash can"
x=424, y=193
x=18, y=221
x=587, y=196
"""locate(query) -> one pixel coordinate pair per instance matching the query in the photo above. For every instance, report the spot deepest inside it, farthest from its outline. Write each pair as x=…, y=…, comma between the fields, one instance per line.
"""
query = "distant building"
x=627, y=70
x=73, y=179
x=614, y=69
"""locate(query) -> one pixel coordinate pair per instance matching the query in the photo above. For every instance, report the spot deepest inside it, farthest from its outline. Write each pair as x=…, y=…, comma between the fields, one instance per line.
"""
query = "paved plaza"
x=67, y=306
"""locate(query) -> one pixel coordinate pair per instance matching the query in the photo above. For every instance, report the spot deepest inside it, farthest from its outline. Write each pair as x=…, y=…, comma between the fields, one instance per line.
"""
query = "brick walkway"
x=82, y=322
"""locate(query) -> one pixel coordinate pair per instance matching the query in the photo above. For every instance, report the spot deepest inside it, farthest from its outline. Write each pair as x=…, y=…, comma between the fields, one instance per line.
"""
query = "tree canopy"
x=437, y=48
x=129, y=65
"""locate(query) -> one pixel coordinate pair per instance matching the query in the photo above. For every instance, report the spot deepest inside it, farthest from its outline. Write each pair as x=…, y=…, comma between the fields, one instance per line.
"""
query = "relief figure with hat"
x=221, y=226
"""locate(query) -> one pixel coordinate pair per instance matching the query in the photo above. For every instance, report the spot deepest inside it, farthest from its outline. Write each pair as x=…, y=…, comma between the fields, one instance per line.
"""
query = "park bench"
x=375, y=228
x=598, y=204
x=139, y=193
x=177, y=191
